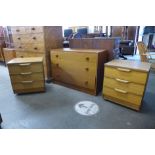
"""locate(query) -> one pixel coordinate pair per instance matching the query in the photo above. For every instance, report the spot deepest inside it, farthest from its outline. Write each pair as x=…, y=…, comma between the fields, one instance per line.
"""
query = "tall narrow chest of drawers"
x=79, y=68
x=27, y=75
x=30, y=41
x=125, y=82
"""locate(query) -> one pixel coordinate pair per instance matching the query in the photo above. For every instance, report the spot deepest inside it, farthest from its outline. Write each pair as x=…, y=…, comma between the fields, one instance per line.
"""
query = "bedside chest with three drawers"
x=125, y=82
x=27, y=75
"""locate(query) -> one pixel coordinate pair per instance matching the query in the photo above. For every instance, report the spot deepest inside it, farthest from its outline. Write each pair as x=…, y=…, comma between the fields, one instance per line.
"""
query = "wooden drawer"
x=19, y=46
x=29, y=54
x=80, y=68
x=74, y=78
x=34, y=29
x=130, y=87
x=79, y=57
x=126, y=74
x=18, y=29
x=122, y=95
x=25, y=67
x=27, y=76
x=35, y=47
x=28, y=85
x=26, y=29
x=28, y=38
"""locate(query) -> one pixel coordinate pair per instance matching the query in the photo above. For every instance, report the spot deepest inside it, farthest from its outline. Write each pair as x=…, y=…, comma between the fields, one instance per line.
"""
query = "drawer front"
x=130, y=87
x=34, y=29
x=79, y=57
x=122, y=95
x=28, y=38
x=30, y=47
x=126, y=74
x=21, y=54
x=27, y=76
x=19, y=45
x=18, y=29
x=25, y=67
x=36, y=47
x=26, y=29
x=78, y=68
x=28, y=85
x=74, y=78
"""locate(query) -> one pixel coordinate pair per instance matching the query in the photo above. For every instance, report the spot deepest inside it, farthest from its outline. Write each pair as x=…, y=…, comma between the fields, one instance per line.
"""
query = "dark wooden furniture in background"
x=126, y=33
x=81, y=69
x=110, y=44
x=36, y=41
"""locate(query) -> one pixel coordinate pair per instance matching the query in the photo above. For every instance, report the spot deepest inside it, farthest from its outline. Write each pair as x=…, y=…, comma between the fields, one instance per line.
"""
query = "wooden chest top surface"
x=135, y=65
x=25, y=60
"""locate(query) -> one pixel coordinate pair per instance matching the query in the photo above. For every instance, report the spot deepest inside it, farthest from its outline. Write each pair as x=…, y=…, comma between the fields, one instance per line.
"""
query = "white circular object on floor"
x=86, y=108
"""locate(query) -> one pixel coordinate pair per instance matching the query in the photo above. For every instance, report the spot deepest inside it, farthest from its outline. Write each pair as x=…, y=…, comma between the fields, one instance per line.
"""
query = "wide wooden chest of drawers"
x=37, y=40
x=125, y=82
x=79, y=68
x=27, y=74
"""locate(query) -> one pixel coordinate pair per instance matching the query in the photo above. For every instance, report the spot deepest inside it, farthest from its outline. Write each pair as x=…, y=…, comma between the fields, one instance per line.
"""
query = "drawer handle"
x=86, y=82
x=87, y=58
x=32, y=28
x=20, y=46
x=26, y=82
x=26, y=64
x=34, y=38
x=57, y=56
x=57, y=65
x=123, y=81
x=120, y=91
x=19, y=38
x=87, y=69
x=17, y=30
x=35, y=48
x=123, y=69
x=28, y=73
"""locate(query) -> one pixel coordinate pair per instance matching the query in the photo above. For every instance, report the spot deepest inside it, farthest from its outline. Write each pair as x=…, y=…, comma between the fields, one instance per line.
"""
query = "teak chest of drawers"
x=30, y=41
x=79, y=68
x=27, y=75
x=125, y=82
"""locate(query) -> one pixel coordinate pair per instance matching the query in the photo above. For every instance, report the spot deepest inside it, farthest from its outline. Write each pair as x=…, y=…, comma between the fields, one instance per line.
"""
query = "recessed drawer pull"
x=57, y=56
x=20, y=46
x=17, y=30
x=86, y=82
x=35, y=48
x=87, y=69
x=34, y=38
x=87, y=58
x=120, y=91
x=123, y=81
x=123, y=69
x=28, y=73
x=18, y=38
x=26, y=82
x=32, y=28
x=26, y=64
